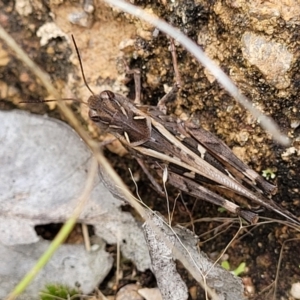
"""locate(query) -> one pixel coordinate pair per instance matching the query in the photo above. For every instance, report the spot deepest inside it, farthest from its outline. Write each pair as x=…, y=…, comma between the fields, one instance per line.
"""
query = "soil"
x=223, y=29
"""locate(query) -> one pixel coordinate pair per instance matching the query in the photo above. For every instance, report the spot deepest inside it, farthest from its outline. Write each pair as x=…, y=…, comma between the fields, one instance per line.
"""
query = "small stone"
x=23, y=7
x=24, y=77
x=150, y=293
x=127, y=45
x=295, y=123
x=88, y=6
x=249, y=287
x=49, y=31
x=81, y=18
x=129, y=292
x=271, y=58
x=288, y=152
x=295, y=290
x=242, y=137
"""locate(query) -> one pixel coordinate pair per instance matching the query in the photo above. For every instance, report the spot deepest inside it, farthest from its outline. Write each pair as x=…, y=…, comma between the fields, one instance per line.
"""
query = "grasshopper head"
x=105, y=110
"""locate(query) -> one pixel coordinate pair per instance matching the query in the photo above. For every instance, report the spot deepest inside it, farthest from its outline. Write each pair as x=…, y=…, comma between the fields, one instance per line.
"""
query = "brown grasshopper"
x=197, y=161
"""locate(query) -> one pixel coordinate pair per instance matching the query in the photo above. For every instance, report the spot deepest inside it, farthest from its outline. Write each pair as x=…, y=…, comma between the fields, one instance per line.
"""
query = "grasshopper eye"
x=107, y=95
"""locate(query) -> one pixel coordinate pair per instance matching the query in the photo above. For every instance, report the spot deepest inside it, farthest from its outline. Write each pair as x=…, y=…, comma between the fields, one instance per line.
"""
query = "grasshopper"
x=196, y=160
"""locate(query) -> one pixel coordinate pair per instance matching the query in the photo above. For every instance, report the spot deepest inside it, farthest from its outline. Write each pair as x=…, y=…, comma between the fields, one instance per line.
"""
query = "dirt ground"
x=255, y=42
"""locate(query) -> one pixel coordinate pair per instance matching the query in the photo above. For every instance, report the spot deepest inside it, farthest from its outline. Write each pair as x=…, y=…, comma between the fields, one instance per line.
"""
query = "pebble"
x=295, y=290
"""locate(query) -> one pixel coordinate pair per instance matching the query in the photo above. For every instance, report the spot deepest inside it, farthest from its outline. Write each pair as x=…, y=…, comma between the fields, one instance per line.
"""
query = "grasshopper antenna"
x=66, y=99
x=52, y=100
x=81, y=67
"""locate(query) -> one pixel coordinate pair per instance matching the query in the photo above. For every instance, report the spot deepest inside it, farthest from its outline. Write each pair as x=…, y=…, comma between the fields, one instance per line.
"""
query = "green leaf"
x=225, y=265
x=240, y=269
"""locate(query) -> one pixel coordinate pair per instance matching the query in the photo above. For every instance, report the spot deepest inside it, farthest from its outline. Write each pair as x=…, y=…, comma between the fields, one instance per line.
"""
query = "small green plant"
x=221, y=209
x=238, y=271
x=58, y=291
x=269, y=173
